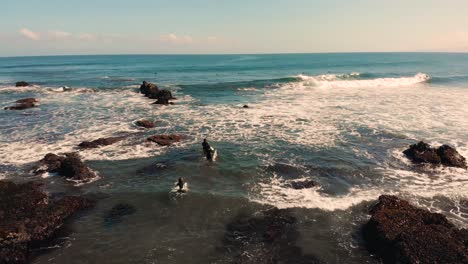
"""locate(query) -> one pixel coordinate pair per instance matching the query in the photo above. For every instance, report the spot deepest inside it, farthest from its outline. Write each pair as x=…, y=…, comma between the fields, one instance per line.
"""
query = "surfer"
x=207, y=150
x=180, y=183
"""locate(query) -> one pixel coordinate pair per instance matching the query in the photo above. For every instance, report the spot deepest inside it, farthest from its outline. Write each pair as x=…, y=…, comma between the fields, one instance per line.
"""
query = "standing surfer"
x=180, y=183
x=207, y=150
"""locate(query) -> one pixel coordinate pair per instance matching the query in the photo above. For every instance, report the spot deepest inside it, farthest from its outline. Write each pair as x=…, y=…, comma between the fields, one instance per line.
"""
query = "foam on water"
x=349, y=81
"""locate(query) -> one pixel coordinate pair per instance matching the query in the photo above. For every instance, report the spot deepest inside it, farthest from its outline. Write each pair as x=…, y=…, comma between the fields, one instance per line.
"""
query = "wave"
x=355, y=80
x=46, y=89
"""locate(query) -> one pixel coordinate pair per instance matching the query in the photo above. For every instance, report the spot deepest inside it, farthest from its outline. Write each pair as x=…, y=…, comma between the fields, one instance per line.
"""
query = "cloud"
x=174, y=39
x=30, y=34
x=59, y=34
x=87, y=37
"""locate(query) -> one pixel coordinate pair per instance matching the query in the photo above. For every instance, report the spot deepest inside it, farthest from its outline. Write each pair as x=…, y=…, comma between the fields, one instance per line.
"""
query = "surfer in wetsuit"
x=207, y=150
x=180, y=183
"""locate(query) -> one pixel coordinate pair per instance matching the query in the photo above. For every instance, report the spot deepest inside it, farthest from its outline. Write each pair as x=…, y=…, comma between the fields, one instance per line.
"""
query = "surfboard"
x=177, y=190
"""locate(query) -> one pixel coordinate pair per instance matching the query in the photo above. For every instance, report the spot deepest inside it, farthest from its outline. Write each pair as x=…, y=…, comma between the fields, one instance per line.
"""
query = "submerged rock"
x=268, y=238
x=145, y=123
x=444, y=155
x=152, y=91
x=299, y=185
x=23, y=104
x=27, y=100
x=100, y=142
x=28, y=216
x=69, y=166
x=165, y=140
x=22, y=84
x=115, y=215
x=399, y=232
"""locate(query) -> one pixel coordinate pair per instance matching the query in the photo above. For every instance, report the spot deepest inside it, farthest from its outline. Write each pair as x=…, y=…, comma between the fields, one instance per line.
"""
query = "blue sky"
x=53, y=27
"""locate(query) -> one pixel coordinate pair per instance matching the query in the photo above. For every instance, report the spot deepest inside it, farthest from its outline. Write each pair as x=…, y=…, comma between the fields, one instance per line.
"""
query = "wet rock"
x=100, y=142
x=69, y=166
x=399, y=232
x=22, y=84
x=21, y=106
x=145, y=123
x=444, y=155
x=152, y=91
x=299, y=185
x=245, y=106
x=28, y=216
x=27, y=100
x=165, y=140
x=267, y=238
x=115, y=215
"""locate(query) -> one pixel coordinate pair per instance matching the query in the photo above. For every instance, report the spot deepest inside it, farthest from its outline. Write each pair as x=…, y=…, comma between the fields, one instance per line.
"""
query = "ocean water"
x=341, y=120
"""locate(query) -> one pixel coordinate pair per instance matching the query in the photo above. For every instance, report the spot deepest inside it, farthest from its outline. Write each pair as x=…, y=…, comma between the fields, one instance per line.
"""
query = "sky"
x=73, y=27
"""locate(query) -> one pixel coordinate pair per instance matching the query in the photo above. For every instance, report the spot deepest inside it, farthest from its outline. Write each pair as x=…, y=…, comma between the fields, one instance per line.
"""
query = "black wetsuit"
x=180, y=183
x=207, y=150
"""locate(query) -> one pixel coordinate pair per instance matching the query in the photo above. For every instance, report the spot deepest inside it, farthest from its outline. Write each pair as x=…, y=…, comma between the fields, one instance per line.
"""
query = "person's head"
x=180, y=179
x=204, y=140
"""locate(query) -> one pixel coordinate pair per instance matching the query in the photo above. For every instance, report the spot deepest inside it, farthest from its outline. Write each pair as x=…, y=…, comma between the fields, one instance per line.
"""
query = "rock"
x=399, y=232
x=245, y=106
x=117, y=212
x=145, y=123
x=69, y=166
x=28, y=216
x=152, y=91
x=445, y=155
x=270, y=236
x=22, y=84
x=299, y=185
x=100, y=142
x=21, y=106
x=27, y=100
x=165, y=140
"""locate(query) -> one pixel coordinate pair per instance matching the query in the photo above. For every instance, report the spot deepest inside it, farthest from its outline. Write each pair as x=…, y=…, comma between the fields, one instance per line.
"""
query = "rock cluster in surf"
x=152, y=91
x=22, y=84
x=444, y=155
x=145, y=123
x=100, y=142
x=23, y=104
x=28, y=216
x=399, y=232
x=69, y=166
x=165, y=140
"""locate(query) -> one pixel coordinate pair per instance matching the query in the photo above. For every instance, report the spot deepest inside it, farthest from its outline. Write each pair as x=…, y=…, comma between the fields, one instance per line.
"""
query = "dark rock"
x=69, y=166
x=401, y=233
x=115, y=215
x=22, y=84
x=28, y=216
x=21, y=106
x=268, y=238
x=152, y=91
x=245, y=106
x=145, y=123
x=100, y=142
x=27, y=100
x=299, y=185
x=165, y=140
x=445, y=155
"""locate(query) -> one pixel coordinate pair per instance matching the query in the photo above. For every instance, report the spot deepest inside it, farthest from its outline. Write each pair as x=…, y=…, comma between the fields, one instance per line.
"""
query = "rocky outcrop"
x=245, y=106
x=165, y=140
x=306, y=184
x=28, y=216
x=444, y=155
x=145, y=123
x=266, y=238
x=23, y=104
x=152, y=91
x=69, y=166
x=399, y=232
x=22, y=84
x=100, y=142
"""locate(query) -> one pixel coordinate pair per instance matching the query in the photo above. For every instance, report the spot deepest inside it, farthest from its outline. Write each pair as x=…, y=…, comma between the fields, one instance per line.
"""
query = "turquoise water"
x=341, y=120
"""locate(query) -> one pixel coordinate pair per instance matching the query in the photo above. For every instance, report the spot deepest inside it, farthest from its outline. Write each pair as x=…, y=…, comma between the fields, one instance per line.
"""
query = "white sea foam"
x=346, y=81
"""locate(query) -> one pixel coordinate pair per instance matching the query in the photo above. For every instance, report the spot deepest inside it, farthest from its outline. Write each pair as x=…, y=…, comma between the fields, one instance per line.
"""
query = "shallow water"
x=341, y=120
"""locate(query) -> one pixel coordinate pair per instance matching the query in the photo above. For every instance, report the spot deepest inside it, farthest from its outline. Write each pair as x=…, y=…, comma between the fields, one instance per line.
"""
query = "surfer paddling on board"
x=207, y=150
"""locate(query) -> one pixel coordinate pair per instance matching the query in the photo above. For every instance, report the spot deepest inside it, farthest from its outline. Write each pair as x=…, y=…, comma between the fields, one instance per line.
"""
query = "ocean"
x=340, y=120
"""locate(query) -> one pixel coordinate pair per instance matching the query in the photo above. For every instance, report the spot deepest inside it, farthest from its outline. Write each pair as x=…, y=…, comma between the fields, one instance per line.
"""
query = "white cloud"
x=87, y=37
x=30, y=34
x=59, y=34
x=173, y=38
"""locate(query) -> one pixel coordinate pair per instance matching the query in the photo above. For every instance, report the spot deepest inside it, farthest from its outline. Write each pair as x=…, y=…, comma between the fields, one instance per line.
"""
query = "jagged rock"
x=22, y=84
x=69, y=166
x=152, y=91
x=100, y=142
x=299, y=185
x=268, y=238
x=21, y=106
x=145, y=123
x=399, y=232
x=445, y=155
x=27, y=100
x=165, y=140
x=28, y=216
